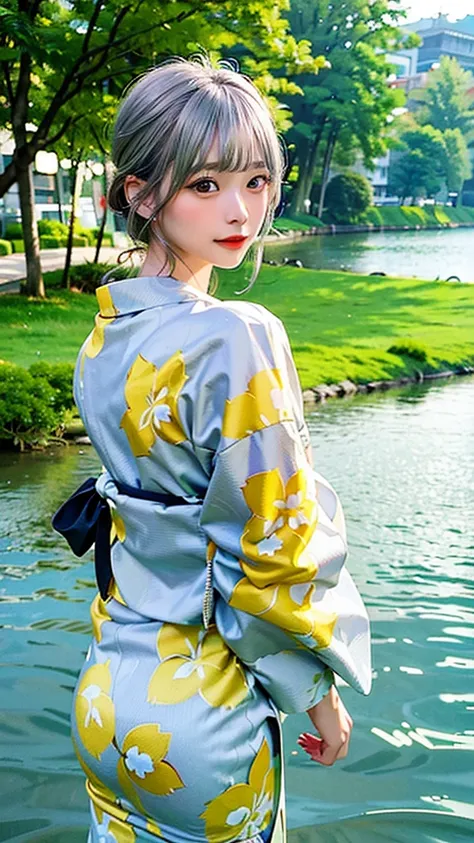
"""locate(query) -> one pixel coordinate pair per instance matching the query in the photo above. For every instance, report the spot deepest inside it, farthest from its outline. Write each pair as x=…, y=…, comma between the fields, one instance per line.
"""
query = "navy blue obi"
x=85, y=519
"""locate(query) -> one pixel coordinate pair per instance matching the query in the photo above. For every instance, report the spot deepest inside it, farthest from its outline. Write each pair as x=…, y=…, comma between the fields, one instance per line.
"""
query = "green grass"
x=429, y=215
x=340, y=324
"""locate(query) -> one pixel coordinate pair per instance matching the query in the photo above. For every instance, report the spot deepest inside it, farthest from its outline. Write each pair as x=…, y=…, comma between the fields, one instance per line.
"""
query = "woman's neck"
x=197, y=276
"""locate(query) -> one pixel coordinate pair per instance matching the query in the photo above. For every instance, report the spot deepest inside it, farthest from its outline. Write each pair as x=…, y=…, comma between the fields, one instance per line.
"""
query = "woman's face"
x=216, y=216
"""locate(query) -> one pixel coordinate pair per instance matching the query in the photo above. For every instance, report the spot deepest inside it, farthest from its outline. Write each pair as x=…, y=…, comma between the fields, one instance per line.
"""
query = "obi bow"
x=85, y=519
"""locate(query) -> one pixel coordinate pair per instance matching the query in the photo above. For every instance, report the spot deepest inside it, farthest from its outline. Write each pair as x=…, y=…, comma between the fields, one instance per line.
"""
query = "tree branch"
x=91, y=26
x=8, y=79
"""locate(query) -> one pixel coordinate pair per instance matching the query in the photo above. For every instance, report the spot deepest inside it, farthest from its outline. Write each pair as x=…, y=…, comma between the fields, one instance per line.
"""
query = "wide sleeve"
x=285, y=602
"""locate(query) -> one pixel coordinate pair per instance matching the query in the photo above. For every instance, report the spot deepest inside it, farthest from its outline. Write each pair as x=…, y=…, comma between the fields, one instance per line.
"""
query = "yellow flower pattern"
x=117, y=530
x=152, y=401
x=112, y=830
x=142, y=764
x=95, y=712
x=194, y=660
x=276, y=605
x=262, y=404
x=243, y=810
x=282, y=522
x=99, y=615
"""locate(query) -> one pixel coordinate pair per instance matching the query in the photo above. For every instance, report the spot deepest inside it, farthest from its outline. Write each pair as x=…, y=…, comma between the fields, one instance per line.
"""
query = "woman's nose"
x=236, y=209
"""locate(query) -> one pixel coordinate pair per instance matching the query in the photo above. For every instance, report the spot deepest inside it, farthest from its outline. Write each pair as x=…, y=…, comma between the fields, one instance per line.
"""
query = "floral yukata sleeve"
x=285, y=603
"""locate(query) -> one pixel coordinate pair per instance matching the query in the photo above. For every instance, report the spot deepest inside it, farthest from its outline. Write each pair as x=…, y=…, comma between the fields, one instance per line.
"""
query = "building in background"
x=411, y=69
x=441, y=37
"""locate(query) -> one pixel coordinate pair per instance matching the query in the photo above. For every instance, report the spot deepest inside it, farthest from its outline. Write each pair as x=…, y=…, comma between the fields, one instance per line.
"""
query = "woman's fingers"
x=321, y=751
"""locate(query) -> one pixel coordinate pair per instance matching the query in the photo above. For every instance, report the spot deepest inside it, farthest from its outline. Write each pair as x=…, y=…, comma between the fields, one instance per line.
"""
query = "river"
x=425, y=254
x=403, y=464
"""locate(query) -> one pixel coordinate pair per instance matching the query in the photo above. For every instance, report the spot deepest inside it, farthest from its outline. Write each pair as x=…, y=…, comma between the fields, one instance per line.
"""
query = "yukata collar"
x=143, y=292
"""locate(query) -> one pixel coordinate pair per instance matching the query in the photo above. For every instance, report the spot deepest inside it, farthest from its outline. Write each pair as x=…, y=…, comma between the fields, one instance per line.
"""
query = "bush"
x=348, y=197
x=5, y=247
x=28, y=415
x=87, y=233
x=87, y=276
x=47, y=242
x=80, y=240
x=18, y=245
x=59, y=377
x=14, y=231
x=107, y=239
x=52, y=228
x=409, y=348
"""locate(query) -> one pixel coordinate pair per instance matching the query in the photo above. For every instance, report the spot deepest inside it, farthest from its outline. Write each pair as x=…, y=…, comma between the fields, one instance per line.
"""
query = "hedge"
x=34, y=403
x=5, y=247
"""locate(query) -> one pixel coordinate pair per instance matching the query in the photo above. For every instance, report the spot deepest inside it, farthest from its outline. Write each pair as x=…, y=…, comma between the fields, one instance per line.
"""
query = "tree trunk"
x=34, y=280
x=100, y=236
x=67, y=263
x=298, y=197
x=326, y=168
x=306, y=173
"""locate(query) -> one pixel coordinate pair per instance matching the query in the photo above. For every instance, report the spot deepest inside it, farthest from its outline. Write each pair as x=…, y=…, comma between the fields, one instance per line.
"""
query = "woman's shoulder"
x=241, y=314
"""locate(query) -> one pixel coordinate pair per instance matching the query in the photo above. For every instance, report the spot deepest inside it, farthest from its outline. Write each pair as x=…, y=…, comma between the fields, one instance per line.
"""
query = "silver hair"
x=166, y=125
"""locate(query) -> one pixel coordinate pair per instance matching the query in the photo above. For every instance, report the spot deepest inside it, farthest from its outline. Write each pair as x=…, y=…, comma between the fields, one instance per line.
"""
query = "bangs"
x=242, y=130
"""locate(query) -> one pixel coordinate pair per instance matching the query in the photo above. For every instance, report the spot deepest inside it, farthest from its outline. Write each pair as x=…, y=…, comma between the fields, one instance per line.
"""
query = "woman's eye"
x=258, y=181
x=205, y=186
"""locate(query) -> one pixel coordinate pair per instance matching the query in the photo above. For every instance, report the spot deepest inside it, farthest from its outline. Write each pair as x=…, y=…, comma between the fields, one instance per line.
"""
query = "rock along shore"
x=320, y=393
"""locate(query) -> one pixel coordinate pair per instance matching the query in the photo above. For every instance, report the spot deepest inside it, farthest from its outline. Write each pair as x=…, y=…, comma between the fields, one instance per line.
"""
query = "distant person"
x=223, y=599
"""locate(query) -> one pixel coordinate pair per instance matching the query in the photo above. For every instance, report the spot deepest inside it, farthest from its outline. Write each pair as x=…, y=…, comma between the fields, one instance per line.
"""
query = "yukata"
x=223, y=610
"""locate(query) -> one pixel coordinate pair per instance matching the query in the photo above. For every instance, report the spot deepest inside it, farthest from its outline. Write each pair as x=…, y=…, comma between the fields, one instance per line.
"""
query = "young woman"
x=223, y=597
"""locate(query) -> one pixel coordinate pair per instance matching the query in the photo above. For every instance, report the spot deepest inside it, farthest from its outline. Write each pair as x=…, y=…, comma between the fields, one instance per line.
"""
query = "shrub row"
x=53, y=235
x=34, y=403
x=5, y=247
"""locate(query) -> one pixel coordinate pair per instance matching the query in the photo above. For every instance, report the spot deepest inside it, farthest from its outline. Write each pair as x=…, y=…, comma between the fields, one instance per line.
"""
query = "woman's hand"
x=334, y=723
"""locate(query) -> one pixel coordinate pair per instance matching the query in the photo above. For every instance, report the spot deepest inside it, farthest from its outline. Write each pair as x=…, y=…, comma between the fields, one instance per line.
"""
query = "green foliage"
x=28, y=415
x=60, y=377
x=348, y=197
x=447, y=101
x=409, y=348
x=80, y=241
x=420, y=172
x=49, y=242
x=87, y=276
x=107, y=239
x=5, y=247
x=18, y=245
x=458, y=162
x=52, y=228
x=349, y=103
x=13, y=231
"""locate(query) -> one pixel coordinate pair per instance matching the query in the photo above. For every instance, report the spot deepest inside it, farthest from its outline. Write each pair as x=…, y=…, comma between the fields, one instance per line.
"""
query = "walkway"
x=13, y=267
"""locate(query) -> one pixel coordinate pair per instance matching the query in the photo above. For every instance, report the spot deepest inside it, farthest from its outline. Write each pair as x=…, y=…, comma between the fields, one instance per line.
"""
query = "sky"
x=429, y=8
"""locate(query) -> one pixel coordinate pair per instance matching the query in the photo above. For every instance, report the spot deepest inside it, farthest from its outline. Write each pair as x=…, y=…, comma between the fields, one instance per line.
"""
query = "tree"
x=53, y=53
x=421, y=171
x=348, y=197
x=447, y=101
x=458, y=162
x=353, y=97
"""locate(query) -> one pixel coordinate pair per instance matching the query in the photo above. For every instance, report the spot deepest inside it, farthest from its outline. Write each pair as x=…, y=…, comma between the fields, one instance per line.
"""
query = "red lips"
x=235, y=241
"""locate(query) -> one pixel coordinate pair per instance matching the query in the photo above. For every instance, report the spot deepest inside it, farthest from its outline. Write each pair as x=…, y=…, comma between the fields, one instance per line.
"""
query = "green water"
x=426, y=254
x=403, y=464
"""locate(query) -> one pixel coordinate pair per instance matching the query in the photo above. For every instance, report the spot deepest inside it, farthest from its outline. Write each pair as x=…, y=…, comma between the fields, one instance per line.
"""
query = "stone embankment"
x=346, y=388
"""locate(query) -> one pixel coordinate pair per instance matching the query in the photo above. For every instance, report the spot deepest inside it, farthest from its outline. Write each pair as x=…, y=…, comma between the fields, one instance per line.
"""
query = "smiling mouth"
x=233, y=242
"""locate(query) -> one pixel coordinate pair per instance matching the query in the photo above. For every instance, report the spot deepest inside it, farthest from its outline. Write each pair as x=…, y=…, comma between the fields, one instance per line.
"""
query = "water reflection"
x=425, y=254
x=403, y=465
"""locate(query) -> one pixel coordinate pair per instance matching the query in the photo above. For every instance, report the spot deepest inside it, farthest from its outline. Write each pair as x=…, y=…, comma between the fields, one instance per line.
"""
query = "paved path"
x=13, y=267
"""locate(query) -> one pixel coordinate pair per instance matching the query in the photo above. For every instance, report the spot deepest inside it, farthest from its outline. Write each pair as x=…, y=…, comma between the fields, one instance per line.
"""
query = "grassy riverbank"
x=395, y=215
x=340, y=324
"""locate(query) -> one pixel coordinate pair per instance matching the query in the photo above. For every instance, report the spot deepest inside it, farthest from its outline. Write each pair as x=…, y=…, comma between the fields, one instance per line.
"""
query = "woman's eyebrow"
x=215, y=166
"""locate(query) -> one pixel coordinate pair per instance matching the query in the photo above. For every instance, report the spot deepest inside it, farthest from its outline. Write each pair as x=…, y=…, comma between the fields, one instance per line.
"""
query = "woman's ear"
x=132, y=186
